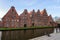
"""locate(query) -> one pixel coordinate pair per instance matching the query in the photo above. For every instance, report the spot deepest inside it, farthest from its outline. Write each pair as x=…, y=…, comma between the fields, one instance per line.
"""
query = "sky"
x=52, y=6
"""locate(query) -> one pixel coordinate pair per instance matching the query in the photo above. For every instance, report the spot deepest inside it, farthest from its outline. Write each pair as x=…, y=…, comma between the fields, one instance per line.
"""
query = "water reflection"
x=56, y=30
x=26, y=34
x=0, y=35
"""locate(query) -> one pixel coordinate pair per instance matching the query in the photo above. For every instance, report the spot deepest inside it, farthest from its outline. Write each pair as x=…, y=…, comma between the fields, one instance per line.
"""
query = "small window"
x=25, y=13
x=30, y=15
x=12, y=23
x=38, y=14
x=24, y=18
x=12, y=20
x=32, y=24
x=17, y=20
x=13, y=17
x=7, y=25
x=12, y=9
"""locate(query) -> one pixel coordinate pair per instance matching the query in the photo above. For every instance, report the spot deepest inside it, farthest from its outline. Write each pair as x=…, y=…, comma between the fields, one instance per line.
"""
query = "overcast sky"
x=52, y=6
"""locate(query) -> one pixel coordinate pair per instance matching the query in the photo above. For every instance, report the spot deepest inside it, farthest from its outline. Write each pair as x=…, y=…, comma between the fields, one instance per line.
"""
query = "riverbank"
x=24, y=28
x=53, y=36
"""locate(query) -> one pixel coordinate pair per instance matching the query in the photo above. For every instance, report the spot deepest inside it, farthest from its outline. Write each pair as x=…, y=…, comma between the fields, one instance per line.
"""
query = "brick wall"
x=26, y=19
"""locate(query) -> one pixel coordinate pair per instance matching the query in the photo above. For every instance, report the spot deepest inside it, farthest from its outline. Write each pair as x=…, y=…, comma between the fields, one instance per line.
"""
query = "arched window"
x=25, y=25
x=32, y=24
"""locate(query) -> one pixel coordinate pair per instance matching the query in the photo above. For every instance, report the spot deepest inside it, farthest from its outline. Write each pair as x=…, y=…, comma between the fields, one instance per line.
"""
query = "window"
x=7, y=25
x=16, y=24
x=30, y=15
x=17, y=20
x=12, y=22
x=25, y=13
x=25, y=22
x=12, y=9
x=38, y=20
x=13, y=17
x=32, y=20
x=24, y=18
x=25, y=25
x=32, y=24
x=38, y=15
x=6, y=19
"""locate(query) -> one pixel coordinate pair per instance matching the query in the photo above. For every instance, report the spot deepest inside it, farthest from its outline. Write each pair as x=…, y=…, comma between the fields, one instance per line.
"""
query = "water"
x=53, y=36
x=56, y=30
x=25, y=34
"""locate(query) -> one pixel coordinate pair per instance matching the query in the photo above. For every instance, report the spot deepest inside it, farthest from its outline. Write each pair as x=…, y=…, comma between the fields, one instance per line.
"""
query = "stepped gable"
x=11, y=13
x=38, y=12
x=52, y=23
x=38, y=15
x=11, y=18
x=24, y=12
x=50, y=18
x=44, y=12
x=38, y=18
x=33, y=11
x=25, y=19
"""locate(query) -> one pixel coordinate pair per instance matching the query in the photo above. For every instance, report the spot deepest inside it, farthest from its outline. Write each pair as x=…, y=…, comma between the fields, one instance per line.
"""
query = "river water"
x=53, y=36
x=55, y=31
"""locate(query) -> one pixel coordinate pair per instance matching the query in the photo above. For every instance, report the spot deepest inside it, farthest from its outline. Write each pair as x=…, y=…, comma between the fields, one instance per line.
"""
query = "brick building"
x=26, y=19
x=11, y=19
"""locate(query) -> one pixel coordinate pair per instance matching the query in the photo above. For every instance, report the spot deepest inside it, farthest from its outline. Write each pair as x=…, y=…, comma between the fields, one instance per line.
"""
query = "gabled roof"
x=25, y=11
x=32, y=12
x=11, y=10
x=44, y=12
x=38, y=11
x=50, y=17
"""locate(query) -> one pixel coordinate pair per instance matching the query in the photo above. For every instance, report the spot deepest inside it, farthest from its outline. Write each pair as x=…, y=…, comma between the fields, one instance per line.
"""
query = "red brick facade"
x=11, y=19
x=26, y=19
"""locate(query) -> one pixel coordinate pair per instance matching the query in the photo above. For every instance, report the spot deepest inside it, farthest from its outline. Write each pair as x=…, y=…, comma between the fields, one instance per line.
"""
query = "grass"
x=24, y=28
